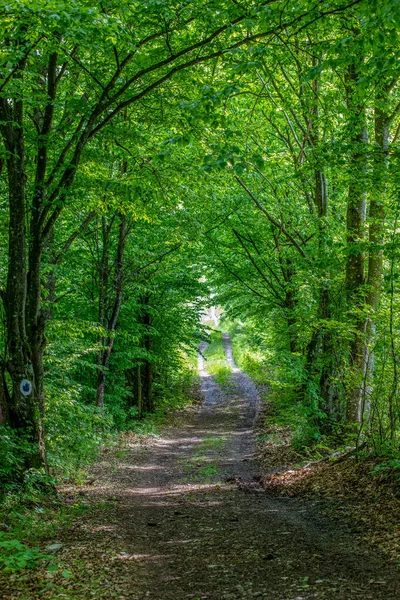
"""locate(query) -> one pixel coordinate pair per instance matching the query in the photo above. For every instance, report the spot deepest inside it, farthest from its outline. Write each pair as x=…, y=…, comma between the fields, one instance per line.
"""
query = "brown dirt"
x=370, y=503
x=183, y=516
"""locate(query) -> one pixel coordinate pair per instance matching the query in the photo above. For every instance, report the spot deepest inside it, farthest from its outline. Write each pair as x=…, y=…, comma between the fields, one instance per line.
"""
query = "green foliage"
x=13, y=449
x=29, y=519
x=16, y=556
x=75, y=433
x=388, y=469
x=278, y=374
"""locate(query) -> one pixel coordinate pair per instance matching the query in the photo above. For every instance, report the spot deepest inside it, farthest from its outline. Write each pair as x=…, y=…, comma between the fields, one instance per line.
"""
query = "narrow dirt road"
x=184, y=517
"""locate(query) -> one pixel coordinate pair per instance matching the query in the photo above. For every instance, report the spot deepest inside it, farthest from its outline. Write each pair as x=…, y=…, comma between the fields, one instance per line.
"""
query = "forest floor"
x=183, y=516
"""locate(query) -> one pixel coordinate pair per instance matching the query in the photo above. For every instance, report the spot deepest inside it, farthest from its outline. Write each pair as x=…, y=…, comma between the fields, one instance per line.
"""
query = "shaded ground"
x=183, y=516
x=363, y=492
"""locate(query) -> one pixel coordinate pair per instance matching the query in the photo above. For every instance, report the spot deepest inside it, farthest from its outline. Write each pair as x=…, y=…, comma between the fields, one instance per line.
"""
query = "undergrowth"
x=292, y=421
x=29, y=521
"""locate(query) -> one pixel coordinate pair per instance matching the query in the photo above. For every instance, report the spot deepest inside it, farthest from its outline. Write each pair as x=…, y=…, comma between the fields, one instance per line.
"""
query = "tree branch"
x=253, y=262
x=68, y=243
x=271, y=219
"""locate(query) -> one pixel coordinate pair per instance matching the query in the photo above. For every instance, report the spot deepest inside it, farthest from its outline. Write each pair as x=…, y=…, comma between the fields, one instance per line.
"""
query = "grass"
x=216, y=362
x=202, y=466
x=255, y=364
x=207, y=471
x=214, y=442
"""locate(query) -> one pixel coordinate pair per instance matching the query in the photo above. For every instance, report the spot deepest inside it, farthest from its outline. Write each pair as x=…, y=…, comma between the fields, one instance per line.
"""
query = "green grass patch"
x=203, y=466
x=214, y=442
x=207, y=471
x=216, y=363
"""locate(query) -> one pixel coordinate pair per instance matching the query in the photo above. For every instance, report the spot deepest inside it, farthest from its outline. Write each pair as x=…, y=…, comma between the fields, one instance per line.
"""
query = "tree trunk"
x=109, y=318
x=134, y=381
x=376, y=229
x=24, y=338
x=319, y=350
x=327, y=388
x=139, y=394
x=289, y=309
x=148, y=397
x=355, y=234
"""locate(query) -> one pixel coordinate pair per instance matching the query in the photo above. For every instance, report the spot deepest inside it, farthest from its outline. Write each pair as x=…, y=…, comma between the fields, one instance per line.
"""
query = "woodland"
x=158, y=157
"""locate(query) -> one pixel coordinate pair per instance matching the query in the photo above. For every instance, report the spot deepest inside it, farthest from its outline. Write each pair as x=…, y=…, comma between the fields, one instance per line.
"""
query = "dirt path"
x=184, y=517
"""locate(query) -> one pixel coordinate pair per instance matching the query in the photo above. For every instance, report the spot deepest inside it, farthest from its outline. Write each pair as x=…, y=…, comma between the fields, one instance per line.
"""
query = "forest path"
x=183, y=517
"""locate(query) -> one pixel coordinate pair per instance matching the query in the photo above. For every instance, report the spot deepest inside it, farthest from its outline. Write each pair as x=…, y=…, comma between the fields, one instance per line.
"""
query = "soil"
x=183, y=515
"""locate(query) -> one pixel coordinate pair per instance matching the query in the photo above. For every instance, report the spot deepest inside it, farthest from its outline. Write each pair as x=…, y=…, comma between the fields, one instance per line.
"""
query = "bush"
x=75, y=432
x=13, y=451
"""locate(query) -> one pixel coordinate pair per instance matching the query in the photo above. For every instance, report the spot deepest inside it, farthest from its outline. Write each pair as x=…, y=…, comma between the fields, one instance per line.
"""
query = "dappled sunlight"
x=183, y=542
x=147, y=557
x=183, y=489
x=178, y=441
x=142, y=467
x=205, y=374
x=100, y=486
x=177, y=500
x=103, y=529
